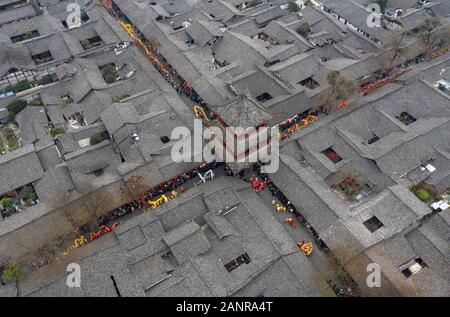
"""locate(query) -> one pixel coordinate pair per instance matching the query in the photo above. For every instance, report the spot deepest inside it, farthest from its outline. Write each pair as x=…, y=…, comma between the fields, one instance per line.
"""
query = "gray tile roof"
x=296, y=68
x=18, y=168
x=55, y=182
x=170, y=253
x=242, y=112
x=187, y=241
x=88, y=78
x=14, y=14
x=14, y=56
x=412, y=20
x=392, y=254
x=442, y=8
x=92, y=158
x=220, y=225
x=395, y=215
x=49, y=156
x=355, y=14
x=204, y=31
x=33, y=123
x=286, y=35
x=293, y=181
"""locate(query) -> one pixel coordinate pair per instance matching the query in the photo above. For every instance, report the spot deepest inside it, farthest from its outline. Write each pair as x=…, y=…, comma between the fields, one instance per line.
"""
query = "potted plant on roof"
x=28, y=34
x=7, y=206
x=28, y=196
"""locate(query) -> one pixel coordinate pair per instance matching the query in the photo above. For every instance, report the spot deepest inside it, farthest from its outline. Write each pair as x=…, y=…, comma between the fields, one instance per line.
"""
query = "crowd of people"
x=174, y=79
x=300, y=120
x=144, y=199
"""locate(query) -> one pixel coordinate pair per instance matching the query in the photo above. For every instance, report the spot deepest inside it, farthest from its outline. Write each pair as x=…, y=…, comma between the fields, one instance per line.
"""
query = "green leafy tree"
x=110, y=77
x=7, y=89
x=12, y=272
x=108, y=69
x=109, y=74
x=422, y=194
x=46, y=79
x=21, y=86
x=84, y=16
x=28, y=34
x=8, y=206
x=6, y=202
x=293, y=7
x=13, y=144
x=304, y=30
x=36, y=102
x=96, y=138
x=383, y=4
x=16, y=106
x=28, y=194
x=55, y=132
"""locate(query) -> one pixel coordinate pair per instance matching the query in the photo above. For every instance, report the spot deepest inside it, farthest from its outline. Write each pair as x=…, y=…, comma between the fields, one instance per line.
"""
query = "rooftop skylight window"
x=373, y=139
x=42, y=58
x=332, y=155
x=406, y=118
x=413, y=267
x=373, y=224
x=25, y=36
x=165, y=139
x=14, y=4
x=234, y=264
x=91, y=42
x=309, y=83
x=266, y=39
x=264, y=97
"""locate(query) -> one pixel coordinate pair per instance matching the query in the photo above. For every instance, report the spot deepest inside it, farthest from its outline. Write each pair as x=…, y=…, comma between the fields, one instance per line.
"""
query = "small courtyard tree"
x=16, y=106
x=434, y=31
x=304, y=30
x=21, y=86
x=342, y=87
x=293, y=6
x=29, y=34
x=395, y=48
x=383, y=4
x=110, y=74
